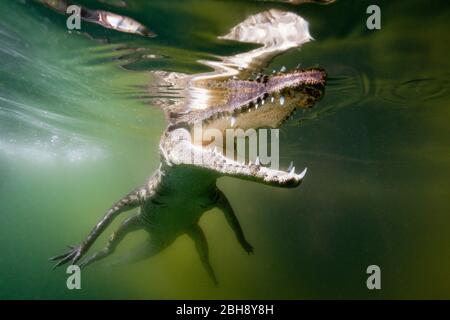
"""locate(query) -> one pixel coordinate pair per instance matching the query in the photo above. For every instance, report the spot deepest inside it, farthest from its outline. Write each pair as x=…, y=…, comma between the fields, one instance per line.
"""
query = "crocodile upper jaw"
x=261, y=97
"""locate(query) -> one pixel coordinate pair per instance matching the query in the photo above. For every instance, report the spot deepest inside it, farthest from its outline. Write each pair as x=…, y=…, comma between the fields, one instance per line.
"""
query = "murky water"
x=79, y=128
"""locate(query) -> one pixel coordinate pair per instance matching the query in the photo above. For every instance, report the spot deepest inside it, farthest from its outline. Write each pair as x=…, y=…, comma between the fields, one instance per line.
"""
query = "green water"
x=78, y=130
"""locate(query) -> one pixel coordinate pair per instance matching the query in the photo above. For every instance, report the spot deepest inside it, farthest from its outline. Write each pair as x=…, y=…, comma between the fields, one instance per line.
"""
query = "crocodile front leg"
x=131, y=201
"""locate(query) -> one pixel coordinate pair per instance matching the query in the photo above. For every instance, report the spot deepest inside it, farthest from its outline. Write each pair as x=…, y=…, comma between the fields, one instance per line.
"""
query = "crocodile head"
x=264, y=102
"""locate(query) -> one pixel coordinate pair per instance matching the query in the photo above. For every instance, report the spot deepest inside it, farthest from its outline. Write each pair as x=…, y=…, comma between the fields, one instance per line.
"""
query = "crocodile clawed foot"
x=248, y=248
x=72, y=256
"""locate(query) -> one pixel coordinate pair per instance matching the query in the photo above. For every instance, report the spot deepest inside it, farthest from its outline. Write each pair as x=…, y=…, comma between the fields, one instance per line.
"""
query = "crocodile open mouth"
x=263, y=102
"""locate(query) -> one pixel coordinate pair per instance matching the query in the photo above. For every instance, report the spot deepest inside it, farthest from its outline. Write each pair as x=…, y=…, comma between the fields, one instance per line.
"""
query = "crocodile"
x=175, y=197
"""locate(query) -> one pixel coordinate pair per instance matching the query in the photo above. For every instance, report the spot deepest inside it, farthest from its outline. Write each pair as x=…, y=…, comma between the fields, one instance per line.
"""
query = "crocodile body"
x=181, y=190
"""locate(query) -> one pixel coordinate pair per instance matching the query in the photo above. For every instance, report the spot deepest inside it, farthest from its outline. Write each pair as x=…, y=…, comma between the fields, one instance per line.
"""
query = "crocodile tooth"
x=263, y=101
x=292, y=171
x=256, y=106
x=232, y=121
x=257, y=161
x=302, y=174
x=291, y=165
x=215, y=149
x=272, y=99
x=283, y=68
x=281, y=100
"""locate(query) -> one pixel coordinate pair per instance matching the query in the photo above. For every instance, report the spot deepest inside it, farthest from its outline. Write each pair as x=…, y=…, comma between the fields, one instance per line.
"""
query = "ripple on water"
x=347, y=86
x=425, y=89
